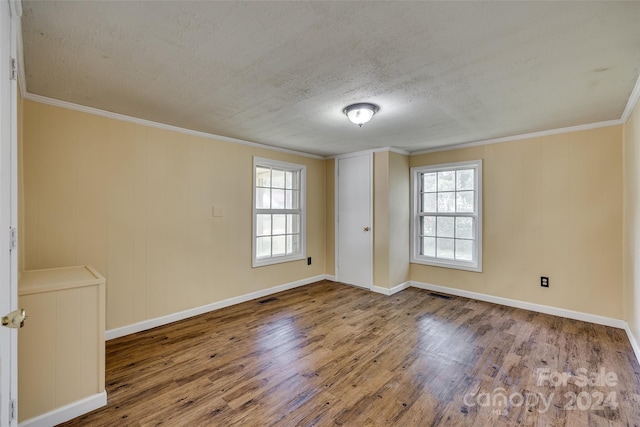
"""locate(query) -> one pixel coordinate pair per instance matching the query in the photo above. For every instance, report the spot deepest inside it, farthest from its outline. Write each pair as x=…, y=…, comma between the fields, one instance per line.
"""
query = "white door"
x=8, y=214
x=354, y=218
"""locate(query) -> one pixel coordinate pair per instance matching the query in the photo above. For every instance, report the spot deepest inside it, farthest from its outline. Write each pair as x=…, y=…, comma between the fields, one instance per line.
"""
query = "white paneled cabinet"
x=61, y=348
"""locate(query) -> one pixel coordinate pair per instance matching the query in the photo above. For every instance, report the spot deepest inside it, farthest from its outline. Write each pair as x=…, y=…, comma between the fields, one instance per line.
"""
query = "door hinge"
x=12, y=410
x=13, y=238
x=13, y=69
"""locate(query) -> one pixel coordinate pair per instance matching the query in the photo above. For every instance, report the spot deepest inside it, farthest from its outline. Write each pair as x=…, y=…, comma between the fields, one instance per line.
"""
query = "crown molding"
x=71, y=106
x=399, y=151
x=389, y=149
x=122, y=117
x=521, y=137
x=633, y=100
x=16, y=9
x=354, y=153
x=631, y=103
x=373, y=150
x=108, y=114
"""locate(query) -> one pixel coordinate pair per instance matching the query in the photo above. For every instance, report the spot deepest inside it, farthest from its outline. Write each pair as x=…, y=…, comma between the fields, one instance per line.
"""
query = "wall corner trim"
x=394, y=290
x=554, y=311
x=67, y=412
x=634, y=343
x=181, y=315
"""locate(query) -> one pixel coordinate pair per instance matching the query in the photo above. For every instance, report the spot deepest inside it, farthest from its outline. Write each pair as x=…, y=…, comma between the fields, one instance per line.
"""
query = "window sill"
x=277, y=260
x=459, y=265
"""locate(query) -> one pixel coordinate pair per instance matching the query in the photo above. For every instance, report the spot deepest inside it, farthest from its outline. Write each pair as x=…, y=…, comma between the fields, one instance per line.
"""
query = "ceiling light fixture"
x=360, y=113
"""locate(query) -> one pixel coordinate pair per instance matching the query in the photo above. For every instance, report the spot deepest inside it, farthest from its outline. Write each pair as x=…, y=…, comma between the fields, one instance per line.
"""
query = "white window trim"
x=261, y=161
x=416, y=258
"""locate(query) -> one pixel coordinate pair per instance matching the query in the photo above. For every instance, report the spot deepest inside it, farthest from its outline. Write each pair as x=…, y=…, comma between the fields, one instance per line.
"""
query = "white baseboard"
x=400, y=287
x=632, y=340
x=67, y=412
x=181, y=315
x=380, y=290
x=330, y=277
x=395, y=289
x=555, y=311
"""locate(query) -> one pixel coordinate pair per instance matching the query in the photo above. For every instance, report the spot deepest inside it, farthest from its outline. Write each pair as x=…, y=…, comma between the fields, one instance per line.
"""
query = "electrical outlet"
x=544, y=282
x=309, y=261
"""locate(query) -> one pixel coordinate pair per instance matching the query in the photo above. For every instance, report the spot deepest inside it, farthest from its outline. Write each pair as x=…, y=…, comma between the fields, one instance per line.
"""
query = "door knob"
x=15, y=319
x=365, y=229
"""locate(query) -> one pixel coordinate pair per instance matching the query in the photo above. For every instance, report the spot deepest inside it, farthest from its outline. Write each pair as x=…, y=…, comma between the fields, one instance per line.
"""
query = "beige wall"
x=381, y=219
x=552, y=207
x=135, y=202
x=331, y=218
x=399, y=219
x=391, y=219
x=631, y=230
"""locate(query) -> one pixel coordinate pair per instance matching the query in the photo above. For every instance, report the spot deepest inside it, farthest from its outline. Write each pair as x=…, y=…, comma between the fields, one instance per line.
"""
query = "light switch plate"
x=216, y=212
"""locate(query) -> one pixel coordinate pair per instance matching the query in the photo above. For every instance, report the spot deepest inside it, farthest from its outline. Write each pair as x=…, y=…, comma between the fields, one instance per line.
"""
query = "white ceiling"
x=280, y=73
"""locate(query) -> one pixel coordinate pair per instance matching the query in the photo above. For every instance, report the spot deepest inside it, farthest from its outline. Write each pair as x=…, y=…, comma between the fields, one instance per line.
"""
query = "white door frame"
x=11, y=11
x=370, y=153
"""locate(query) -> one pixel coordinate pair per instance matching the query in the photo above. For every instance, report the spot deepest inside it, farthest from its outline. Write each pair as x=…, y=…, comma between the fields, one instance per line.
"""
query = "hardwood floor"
x=331, y=354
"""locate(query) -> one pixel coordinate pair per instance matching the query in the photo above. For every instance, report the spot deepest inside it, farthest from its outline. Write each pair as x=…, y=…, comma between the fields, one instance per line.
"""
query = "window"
x=278, y=212
x=447, y=215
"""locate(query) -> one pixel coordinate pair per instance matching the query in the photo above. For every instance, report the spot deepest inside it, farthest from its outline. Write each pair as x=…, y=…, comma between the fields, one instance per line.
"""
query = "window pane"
x=293, y=224
x=429, y=225
x=295, y=199
x=445, y=248
x=464, y=228
x=263, y=226
x=263, y=198
x=279, y=226
x=263, y=177
x=288, y=199
x=464, y=179
x=429, y=202
x=464, y=201
x=263, y=247
x=429, y=246
x=277, y=199
x=277, y=178
x=446, y=202
x=429, y=181
x=464, y=250
x=288, y=179
x=295, y=244
x=445, y=226
x=446, y=181
x=279, y=245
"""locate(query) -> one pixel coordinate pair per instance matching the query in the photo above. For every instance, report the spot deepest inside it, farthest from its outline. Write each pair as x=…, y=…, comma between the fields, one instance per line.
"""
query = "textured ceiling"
x=280, y=73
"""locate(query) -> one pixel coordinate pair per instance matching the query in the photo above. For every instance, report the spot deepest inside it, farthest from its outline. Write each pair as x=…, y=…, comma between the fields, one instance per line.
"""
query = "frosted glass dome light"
x=360, y=113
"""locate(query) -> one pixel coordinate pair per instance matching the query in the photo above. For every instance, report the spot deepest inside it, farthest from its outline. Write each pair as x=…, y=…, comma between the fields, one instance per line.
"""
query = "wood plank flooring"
x=329, y=354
